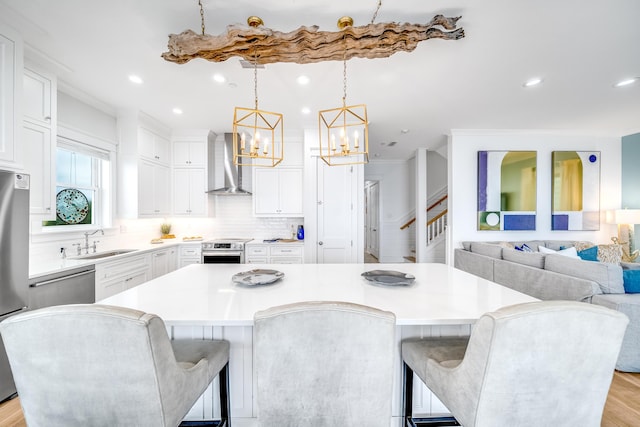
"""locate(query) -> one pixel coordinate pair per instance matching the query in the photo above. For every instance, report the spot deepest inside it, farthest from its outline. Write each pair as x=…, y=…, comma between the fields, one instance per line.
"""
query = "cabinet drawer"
x=256, y=250
x=286, y=251
x=286, y=260
x=256, y=260
x=119, y=268
x=191, y=251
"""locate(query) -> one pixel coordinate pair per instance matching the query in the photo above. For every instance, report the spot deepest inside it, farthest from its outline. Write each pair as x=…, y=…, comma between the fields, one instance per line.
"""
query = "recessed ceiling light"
x=303, y=80
x=626, y=82
x=532, y=82
x=135, y=79
x=219, y=78
x=404, y=131
x=306, y=110
x=177, y=111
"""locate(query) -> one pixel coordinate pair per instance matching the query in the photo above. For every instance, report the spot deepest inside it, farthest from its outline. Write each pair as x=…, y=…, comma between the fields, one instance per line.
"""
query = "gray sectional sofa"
x=557, y=277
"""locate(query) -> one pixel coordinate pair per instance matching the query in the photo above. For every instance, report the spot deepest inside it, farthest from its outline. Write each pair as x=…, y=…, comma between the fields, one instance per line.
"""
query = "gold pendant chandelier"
x=258, y=136
x=344, y=132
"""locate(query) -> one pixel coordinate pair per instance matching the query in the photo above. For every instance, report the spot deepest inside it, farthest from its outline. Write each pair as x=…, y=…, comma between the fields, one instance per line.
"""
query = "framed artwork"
x=575, y=190
x=507, y=190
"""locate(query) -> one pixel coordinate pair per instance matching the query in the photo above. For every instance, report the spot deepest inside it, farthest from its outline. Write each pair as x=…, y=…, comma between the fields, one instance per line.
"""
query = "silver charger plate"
x=257, y=277
x=388, y=277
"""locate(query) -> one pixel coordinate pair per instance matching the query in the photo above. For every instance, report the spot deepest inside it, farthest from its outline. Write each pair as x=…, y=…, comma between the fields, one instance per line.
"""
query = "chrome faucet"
x=86, y=240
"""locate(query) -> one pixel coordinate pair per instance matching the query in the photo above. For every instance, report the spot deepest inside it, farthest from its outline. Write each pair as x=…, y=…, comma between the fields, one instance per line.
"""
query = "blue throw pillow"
x=631, y=279
x=589, y=254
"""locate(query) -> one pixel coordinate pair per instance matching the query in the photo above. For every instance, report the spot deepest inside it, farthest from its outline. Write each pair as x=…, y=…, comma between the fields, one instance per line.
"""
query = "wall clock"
x=72, y=206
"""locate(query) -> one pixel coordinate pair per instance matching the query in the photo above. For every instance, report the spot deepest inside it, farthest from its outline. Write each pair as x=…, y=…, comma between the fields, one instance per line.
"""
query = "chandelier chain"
x=375, y=14
x=255, y=76
x=344, y=72
x=201, y=16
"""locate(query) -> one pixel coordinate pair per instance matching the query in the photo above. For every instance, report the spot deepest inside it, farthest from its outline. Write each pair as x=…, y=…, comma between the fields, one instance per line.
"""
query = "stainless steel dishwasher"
x=75, y=286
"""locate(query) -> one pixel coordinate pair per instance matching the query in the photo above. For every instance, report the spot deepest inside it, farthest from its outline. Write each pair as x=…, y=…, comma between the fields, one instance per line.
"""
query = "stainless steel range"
x=224, y=251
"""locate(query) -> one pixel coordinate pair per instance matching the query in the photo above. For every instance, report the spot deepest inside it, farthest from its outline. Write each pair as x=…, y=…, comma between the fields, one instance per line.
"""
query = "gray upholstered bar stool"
x=96, y=365
x=537, y=364
x=324, y=364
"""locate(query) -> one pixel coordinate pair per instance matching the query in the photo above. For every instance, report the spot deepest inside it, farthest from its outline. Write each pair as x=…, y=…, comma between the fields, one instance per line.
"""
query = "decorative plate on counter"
x=388, y=277
x=257, y=277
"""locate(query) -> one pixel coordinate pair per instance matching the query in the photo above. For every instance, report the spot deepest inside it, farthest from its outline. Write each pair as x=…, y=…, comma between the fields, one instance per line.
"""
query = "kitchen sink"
x=104, y=254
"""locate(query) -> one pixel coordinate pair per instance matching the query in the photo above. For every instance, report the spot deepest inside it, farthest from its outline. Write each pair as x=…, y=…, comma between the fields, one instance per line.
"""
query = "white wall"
x=436, y=173
x=463, y=159
x=78, y=115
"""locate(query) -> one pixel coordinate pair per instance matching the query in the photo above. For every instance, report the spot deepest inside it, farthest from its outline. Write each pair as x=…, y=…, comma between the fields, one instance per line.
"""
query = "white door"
x=374, y=219
x=336, y=203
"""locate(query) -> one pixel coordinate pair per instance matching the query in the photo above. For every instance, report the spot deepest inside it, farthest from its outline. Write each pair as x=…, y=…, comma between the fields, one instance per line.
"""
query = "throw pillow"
x=631, y=280
x=580, y=246
x=590, y=254
x=610, y=253
x=570, y=252
x=523, y=248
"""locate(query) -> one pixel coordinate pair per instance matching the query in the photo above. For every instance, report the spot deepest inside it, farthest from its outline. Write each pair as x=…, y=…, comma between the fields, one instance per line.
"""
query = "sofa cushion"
x=569, y=252
x=589, y=254
x=630, y=265
x=487, y=249
x=631, y=280
x=607, y=276
x=543, y=284
x=532, y=259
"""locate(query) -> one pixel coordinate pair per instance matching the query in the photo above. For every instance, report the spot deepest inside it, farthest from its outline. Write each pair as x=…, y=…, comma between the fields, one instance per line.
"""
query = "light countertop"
x=42, y=266
x=204, y=294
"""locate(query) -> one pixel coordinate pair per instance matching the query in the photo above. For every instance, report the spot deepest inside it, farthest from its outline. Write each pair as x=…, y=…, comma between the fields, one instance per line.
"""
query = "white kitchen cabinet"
x=274, y=253
x=39, y=164
x=190, y=254
x=11, y=51
x=153, y=147
x=277, y=192
x=189, y=191
x=39, y=139
x=163, y=261
x=190, y=154
x=153, y=189
x=119, y=275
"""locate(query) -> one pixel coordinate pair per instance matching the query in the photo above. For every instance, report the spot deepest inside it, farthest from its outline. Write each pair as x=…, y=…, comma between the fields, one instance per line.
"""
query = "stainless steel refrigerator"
x=14, y=259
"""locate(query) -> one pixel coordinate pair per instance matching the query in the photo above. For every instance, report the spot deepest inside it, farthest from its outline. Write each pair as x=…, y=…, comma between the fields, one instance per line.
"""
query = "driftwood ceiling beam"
x=307, y=44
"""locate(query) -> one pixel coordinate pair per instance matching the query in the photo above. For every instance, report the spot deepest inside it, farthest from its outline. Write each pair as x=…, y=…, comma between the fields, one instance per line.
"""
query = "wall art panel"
x=507, y=189
x=575, y=190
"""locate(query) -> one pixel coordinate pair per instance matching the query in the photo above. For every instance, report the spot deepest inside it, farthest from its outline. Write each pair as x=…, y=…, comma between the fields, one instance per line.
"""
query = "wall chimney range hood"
x=222, y=157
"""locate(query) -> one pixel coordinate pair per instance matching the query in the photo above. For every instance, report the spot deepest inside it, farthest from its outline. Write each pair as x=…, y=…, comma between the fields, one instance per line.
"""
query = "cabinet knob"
x=320, y=243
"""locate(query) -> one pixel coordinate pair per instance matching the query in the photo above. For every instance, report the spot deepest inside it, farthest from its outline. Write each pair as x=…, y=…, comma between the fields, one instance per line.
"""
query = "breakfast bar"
x=201, y=301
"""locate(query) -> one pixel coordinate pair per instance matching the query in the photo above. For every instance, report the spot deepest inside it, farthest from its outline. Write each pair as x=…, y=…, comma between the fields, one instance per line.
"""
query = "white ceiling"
x=579, y=48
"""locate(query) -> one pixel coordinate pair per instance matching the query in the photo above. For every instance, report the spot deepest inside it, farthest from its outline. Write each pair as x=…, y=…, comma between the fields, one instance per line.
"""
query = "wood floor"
x=622, y=408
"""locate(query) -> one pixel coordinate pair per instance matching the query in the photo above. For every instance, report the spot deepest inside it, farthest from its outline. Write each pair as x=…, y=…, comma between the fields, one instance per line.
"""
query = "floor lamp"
x=626, y=220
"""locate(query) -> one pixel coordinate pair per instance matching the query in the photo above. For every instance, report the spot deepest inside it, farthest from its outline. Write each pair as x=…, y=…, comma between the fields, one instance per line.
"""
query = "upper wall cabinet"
x=144, y=172
x=277, y=192
x=153, y=146
x=10, y=94
x=189, y=154
x=39, y=139
x=39, y=102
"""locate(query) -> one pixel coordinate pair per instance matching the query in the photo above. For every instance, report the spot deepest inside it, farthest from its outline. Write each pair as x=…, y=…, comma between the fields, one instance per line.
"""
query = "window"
x=82, y=185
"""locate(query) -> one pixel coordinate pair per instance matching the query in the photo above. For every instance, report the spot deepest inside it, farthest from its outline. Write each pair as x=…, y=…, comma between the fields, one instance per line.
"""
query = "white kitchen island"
x=201, y=301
